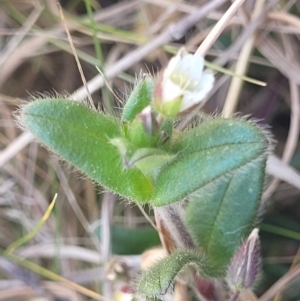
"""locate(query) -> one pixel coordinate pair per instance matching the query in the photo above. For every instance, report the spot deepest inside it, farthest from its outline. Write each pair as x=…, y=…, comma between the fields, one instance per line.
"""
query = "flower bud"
x=245, y=265
x=182, y=85
x=143, y=131
x=149, y=121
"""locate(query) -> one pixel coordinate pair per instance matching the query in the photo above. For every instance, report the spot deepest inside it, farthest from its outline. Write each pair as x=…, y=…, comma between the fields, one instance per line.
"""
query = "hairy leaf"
x=139, y=98
x=82, y=136
x=223, y=214
x=213, y=150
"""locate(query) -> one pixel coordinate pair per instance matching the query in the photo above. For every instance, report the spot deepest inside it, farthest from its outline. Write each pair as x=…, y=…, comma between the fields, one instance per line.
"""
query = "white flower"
x=183, y=85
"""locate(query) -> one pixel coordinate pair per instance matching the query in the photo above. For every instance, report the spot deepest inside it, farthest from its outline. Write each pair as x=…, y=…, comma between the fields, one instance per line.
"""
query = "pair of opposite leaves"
x=219, y=165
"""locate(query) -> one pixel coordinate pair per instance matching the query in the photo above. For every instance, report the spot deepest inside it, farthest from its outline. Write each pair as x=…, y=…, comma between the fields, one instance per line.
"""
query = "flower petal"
x=207, y=81
x=171, y=91
x=192, y=98
x=191, y=66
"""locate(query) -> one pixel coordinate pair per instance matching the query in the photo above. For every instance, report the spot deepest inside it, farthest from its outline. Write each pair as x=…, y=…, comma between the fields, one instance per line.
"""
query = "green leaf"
x=82, y=136
x=220, y=167
x=125, y=148
x=225, y=211
x=213, y=150
x=140, y=97
x=157, y=280
x=147, y=160
x=150, y=161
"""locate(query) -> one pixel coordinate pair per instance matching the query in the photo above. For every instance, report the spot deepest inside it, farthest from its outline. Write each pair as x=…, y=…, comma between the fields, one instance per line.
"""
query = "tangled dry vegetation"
x=81, y=238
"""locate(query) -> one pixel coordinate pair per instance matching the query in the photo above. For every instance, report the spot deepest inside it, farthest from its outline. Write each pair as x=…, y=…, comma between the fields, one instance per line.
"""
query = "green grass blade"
x=21, y=241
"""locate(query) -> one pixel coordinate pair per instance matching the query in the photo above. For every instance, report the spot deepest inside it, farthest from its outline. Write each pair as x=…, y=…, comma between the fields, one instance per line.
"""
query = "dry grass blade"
x=174, y=31
x=72, y=199
x=280, y=284
x=296, y=261
x=283, y=171
x=20, y=55
x=292, y=138
x=14, y=148
x=49, y=250
x=248, y=296
x=76, y=57
x=107, y=208
x=241, y=67
x=243, y=37
x=48, y=274
x=52, y=288
x=22, y=240
x=218, y=28
x=28, y=24
x=285, y=17
x=274, y=54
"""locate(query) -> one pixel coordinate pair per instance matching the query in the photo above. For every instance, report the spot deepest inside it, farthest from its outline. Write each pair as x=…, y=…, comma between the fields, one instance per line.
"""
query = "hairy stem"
x=172, y=221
